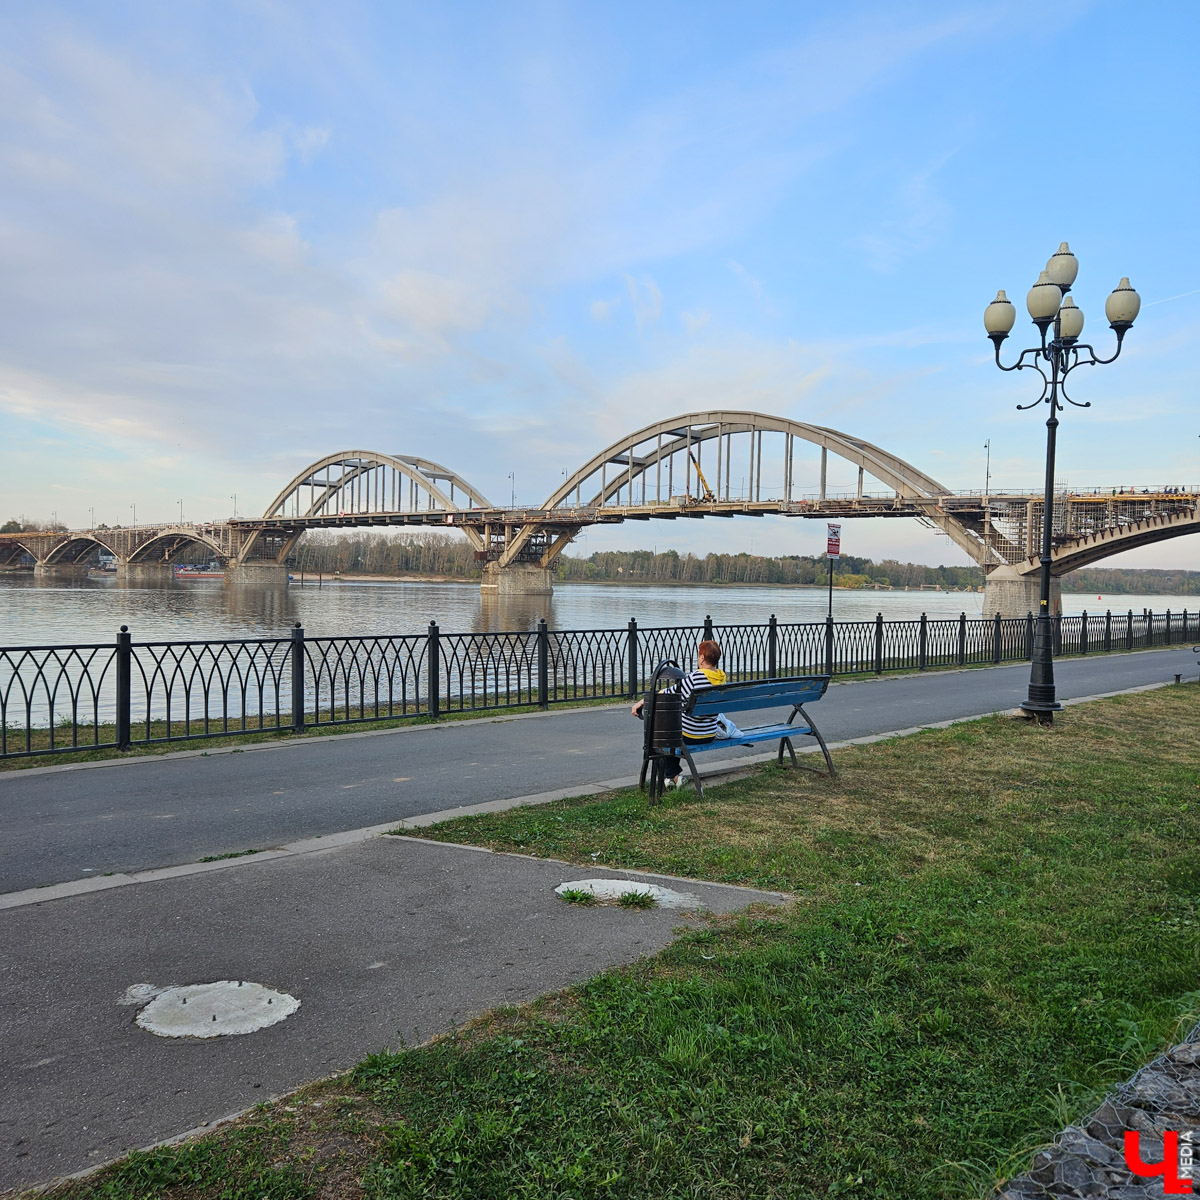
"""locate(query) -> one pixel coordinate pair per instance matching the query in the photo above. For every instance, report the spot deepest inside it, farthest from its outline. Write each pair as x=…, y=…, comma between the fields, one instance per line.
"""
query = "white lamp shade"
x=1043, y=298
x=1062, y=267
x=1000, y=315
x=1070, y=319
x=1122, y=307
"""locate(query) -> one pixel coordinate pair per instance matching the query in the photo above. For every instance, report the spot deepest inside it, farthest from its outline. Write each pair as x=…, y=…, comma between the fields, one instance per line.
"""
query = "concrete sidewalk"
x=384, y=940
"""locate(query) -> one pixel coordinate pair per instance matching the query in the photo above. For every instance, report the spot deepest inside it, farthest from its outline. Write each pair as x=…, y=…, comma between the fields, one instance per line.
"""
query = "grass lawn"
x=993, y=924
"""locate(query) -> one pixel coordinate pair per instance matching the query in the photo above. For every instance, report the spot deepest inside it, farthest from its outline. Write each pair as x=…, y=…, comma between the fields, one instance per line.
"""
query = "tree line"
x=452, y=557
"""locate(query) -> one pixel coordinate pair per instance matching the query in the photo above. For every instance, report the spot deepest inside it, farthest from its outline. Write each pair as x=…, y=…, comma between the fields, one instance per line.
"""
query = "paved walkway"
x=64, y=823
x=386, y=940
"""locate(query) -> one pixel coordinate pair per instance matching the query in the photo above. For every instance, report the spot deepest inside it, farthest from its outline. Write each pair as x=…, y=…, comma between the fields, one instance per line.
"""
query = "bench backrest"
x=767, y=693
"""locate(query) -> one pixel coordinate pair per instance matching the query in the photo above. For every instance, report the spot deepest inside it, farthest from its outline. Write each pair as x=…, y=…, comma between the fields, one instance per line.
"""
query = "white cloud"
x=645, y=298
x=693, y=322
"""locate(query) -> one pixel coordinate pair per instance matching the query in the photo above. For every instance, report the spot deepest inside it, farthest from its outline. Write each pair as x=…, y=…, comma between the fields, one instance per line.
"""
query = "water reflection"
x=497, y=613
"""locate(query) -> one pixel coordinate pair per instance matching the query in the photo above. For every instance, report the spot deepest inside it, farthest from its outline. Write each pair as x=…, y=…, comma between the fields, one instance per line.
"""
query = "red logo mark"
x=1173, y=1185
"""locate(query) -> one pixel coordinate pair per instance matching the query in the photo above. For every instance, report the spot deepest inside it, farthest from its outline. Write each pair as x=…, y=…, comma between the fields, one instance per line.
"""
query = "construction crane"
x=707, y=497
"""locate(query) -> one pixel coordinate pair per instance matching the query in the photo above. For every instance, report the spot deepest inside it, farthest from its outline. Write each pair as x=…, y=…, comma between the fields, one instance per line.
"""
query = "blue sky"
x=237, y=236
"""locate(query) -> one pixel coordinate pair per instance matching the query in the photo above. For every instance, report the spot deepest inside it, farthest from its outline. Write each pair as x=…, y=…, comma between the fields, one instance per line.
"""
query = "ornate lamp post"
x=1049, y=305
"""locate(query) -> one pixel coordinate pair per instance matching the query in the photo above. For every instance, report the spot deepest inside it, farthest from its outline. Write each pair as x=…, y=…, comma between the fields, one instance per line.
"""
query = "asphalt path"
x=86, y=820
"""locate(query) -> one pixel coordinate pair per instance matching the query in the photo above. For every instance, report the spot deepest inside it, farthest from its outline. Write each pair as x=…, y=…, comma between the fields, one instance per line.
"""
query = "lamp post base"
x=1039, y=711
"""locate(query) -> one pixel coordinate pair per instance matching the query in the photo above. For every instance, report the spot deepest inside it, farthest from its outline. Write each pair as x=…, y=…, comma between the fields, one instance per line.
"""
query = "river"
x=59, y=611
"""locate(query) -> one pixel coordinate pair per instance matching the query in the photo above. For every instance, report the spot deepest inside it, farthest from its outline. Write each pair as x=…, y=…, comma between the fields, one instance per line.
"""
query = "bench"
x=664, y=738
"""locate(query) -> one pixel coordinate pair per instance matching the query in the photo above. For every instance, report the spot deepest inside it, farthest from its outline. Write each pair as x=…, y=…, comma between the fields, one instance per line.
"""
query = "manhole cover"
x=610, y=890
x=221, y=1009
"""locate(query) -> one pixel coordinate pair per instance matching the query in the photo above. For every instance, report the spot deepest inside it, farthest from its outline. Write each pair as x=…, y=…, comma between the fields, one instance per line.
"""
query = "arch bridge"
x=717, y=463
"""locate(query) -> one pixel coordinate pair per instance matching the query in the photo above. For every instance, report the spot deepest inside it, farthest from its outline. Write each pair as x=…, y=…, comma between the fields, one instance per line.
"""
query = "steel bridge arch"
x=693, y=428
x=679, y=434
x=354, y=467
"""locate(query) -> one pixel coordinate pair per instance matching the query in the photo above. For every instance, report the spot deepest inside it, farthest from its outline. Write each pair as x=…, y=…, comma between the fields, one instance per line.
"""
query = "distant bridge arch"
x=168, y=543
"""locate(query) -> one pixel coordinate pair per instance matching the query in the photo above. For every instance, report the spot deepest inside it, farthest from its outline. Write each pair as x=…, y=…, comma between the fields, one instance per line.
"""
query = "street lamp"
x=1048, y=305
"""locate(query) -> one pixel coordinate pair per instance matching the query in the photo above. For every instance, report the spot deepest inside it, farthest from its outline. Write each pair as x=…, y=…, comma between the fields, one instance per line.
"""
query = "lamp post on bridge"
x=1049, y=305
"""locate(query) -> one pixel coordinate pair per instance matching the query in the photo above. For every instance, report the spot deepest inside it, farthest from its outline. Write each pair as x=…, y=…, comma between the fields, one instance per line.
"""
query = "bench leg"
x=691, y=762
x=788, y=743
x=820, y=741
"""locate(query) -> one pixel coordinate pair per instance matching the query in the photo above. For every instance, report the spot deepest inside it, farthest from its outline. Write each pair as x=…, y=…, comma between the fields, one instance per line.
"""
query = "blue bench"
x=732, y=698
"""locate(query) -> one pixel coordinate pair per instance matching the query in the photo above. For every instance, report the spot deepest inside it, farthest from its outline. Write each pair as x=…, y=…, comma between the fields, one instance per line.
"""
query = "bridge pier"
x=1012, y=595
x=60, y=570
x=521, y=579
x=257, y=574
x=145, y=572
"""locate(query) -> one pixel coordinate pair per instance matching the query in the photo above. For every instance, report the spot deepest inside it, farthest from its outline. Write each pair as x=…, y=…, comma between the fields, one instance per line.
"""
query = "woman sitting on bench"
x=695, y=729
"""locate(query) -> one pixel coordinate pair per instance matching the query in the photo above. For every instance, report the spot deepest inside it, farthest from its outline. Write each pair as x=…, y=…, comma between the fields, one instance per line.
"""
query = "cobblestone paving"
x=1087, y=1161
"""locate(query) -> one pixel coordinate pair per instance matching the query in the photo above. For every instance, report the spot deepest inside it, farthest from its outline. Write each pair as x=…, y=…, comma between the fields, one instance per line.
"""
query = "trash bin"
x=665, y=732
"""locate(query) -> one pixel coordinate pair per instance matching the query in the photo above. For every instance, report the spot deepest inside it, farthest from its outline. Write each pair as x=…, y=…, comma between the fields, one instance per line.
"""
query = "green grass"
x=994, y=924
x=577, y=896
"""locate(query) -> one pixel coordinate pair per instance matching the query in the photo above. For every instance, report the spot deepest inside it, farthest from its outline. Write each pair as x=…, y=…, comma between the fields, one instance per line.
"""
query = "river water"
x=57, y=612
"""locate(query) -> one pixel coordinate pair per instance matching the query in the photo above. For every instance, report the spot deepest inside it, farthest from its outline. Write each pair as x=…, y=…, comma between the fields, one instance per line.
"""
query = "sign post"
x=833, y=548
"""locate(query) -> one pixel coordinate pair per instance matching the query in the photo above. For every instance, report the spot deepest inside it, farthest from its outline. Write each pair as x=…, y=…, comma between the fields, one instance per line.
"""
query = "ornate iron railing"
x=58, y=699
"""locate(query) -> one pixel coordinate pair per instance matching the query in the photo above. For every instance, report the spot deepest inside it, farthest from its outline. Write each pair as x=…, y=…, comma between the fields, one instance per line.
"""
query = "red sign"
x=833, y=541
x=1176, y=1165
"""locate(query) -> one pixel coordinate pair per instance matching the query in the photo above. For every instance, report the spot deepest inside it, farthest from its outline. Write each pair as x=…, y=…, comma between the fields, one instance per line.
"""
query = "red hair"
x=710, y=652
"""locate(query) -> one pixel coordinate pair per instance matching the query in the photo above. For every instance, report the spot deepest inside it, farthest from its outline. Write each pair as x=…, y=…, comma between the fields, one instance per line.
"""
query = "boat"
x=187, y=571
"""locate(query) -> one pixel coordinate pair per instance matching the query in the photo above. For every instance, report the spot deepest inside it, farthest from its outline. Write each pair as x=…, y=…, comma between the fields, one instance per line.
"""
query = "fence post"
x=1168, y=627
x=543, y=663
x=772, y=648
x=124, y=676
x=1129, y=631
x=879, y=643
x=829, y=646
x=1029, y=636
x=1058, y=635
x=708, y=629
x=1083, y=634
x=434, y=697
x=1148, y=621
x=923, y=644
x=962, y=639
x=298, y=678
x=631, y=668
x=996, y=633
x=1107, y=629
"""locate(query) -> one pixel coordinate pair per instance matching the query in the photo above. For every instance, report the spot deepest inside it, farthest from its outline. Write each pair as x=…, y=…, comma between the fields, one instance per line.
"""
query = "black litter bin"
x=665, y=730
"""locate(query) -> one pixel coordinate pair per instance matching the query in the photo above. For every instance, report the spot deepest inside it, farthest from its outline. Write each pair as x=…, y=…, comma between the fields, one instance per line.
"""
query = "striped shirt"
x=698, y=729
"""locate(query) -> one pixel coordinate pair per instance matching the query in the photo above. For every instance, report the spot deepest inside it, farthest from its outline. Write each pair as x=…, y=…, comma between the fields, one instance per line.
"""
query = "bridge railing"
x=76, y=698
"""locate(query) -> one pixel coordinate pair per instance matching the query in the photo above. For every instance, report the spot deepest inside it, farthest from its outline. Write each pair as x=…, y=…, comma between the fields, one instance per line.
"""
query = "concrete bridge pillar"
x=145, y=572
x=522, y=579
x=1013, y=595
x=257, y=574
x=60, y=570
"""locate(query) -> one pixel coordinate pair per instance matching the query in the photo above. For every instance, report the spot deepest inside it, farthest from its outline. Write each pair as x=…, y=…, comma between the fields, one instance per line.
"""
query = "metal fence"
x=57, y=699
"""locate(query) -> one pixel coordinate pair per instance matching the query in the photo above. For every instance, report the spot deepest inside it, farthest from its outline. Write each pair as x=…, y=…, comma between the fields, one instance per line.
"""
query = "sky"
x=238, y=235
